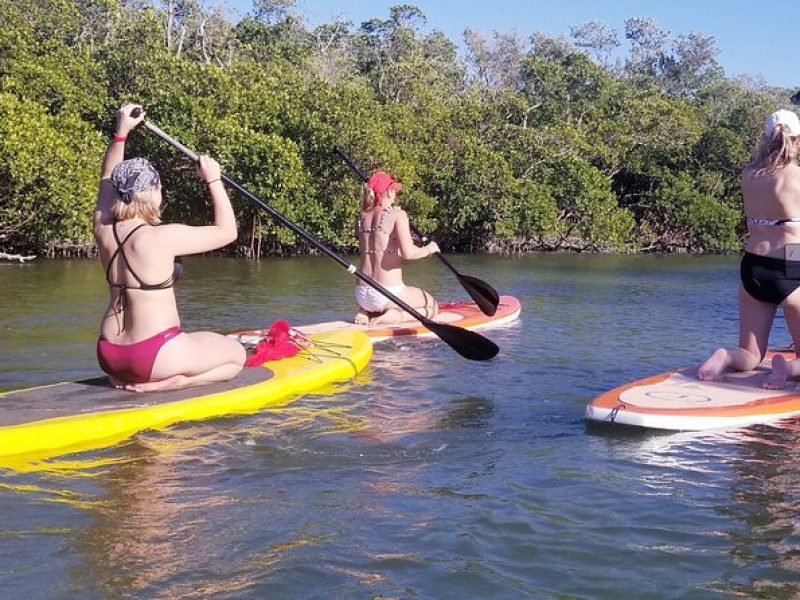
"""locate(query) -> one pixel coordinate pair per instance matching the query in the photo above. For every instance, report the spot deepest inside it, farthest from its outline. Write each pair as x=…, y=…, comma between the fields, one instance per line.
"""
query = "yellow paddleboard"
x=71, y=416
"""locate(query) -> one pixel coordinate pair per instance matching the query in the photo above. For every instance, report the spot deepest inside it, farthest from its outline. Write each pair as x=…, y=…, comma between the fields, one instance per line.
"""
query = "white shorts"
x=372, y=301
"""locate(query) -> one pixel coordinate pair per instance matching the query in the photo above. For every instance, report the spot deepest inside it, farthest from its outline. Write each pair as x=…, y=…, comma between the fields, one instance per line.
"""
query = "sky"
x=756, y=38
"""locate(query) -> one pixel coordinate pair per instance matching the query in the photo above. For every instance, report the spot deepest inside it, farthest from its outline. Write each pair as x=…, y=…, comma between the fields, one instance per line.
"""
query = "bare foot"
x=171, y=383
x=779, y=375
x=390, y=317
x=361, y=318
x=116, y=383
x=714, y=366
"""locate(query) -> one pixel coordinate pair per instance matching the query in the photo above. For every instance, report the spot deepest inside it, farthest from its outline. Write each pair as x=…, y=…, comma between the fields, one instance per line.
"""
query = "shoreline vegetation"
x=592, y=141
x=500, y=247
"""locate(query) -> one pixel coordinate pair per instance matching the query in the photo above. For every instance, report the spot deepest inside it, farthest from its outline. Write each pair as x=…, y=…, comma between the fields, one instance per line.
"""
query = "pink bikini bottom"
x=132, y=363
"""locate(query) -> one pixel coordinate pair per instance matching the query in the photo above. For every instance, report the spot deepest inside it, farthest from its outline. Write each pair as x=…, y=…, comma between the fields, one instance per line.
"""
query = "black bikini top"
x=166, y=284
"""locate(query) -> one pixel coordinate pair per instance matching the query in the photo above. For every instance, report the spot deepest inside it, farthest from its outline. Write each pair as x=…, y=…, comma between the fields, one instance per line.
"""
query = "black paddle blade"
x=484, y=295
x=468, y=344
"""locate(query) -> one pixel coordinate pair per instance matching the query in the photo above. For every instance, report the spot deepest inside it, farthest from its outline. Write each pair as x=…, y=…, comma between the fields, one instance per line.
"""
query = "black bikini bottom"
x=764, y=278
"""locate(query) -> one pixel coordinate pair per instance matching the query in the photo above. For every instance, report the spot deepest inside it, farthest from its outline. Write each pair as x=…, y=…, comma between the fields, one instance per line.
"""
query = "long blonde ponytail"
x=368, y=199
x=775, y=151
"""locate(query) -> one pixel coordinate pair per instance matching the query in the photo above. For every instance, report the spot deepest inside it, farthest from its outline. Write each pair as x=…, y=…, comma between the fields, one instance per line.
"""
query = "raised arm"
x=408, y=249
x=116, y=149
x=115, y=154
x=186, y=239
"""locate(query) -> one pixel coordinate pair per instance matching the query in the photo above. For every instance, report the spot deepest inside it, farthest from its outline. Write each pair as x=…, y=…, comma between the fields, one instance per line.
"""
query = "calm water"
x=428, y=476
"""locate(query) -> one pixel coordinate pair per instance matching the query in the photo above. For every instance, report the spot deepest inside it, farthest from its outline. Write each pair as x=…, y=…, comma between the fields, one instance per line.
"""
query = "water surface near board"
x=426, y=477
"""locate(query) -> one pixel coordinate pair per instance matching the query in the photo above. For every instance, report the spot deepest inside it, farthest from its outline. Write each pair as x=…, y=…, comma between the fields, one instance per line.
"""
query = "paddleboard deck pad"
x=465, y=314
x=64, y=417
x=677, y=400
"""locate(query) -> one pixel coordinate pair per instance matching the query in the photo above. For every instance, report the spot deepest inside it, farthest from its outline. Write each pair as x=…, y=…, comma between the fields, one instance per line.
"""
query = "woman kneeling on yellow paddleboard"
x=384, y=240
x=141, y=346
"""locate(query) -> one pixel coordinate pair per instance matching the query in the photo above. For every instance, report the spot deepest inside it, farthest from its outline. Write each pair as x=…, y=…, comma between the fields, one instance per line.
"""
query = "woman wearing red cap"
x=770, y=267
x=384, y=239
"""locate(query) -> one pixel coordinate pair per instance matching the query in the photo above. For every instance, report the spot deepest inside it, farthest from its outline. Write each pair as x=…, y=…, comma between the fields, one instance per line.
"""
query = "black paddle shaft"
x=469, y=344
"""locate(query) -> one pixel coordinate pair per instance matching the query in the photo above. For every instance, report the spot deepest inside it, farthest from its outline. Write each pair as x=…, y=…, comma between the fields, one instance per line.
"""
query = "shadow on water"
x=748, y=479
x=765, y=501
x=619, y=431
x=471, y=413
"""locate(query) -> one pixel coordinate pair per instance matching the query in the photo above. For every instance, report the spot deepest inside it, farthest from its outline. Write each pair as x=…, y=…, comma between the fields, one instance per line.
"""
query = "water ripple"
x=427, y=476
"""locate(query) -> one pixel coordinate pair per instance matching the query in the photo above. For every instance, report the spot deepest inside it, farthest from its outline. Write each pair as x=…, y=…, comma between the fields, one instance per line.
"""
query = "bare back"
x=143, y=312
x=379, y=243
x=771, y=197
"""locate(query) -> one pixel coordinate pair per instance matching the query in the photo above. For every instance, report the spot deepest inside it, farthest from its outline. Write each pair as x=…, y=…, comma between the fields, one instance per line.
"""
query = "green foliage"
x=264, y=42
x=587, y=204
x=524, y=144
x=482, y=202
x=681, y=214
x=534, y=213
x=60, y=77
x=48, y=171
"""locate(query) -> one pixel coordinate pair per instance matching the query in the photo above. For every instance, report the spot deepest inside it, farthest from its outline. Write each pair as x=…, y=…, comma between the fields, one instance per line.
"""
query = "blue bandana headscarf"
x=134, y=175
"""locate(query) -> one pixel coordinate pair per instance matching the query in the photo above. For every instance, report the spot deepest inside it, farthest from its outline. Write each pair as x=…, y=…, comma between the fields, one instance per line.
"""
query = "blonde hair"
x=775, y=151
x=369, y=198
x=142, y=205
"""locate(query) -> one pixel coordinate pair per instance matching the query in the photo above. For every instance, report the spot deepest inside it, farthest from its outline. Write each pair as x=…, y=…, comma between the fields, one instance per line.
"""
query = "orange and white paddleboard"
x=465, y=314
x=677, y=400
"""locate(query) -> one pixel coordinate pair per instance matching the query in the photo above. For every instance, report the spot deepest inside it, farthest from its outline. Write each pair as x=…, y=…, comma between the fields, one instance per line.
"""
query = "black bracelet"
x=213, y=181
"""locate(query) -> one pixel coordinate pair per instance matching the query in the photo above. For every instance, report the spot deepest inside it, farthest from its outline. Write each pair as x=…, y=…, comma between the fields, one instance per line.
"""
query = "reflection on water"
x=766, y=500
x=429, y=476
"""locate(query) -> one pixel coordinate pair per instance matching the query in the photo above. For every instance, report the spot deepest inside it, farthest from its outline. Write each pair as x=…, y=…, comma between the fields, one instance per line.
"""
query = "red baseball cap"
x=381, y=182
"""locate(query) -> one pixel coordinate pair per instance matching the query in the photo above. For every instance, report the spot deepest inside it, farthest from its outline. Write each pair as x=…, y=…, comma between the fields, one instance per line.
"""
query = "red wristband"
x=118, y=139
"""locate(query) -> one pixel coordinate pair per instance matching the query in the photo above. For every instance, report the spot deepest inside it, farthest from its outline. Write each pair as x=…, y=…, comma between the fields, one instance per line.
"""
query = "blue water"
x=428, y=476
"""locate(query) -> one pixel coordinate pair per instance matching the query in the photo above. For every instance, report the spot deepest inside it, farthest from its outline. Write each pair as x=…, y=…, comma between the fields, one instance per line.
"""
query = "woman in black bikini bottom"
x=769, y=274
